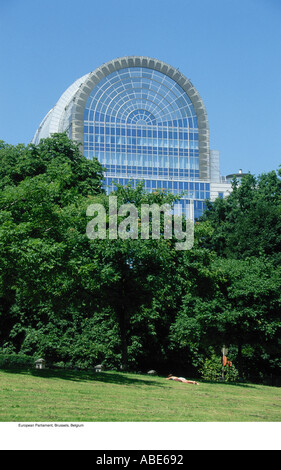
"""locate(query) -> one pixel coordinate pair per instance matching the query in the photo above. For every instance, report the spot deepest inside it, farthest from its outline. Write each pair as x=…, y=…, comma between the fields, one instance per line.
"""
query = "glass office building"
x=144, y=121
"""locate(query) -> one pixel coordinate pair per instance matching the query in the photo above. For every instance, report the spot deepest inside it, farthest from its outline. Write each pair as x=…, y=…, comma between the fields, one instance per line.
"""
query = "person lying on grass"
x=181, y=379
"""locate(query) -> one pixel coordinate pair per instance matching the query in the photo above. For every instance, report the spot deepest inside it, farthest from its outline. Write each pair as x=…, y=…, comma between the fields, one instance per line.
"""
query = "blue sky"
x=230, y=49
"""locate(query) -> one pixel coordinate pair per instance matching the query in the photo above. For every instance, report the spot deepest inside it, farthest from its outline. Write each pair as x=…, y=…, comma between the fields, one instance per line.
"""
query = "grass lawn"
x=67, y=396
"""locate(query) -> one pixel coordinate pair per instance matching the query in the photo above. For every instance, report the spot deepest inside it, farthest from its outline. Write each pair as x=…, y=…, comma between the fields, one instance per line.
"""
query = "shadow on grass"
x=112, y=377
x=227, y=384
x=117, y=378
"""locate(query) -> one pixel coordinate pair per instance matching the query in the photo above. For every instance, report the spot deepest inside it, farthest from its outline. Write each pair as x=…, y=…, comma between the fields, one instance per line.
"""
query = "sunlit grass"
x=61, y=396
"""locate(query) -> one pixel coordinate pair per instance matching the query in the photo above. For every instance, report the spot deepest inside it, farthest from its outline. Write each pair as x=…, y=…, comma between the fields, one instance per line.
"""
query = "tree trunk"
x=123, y=333
x=240, y=360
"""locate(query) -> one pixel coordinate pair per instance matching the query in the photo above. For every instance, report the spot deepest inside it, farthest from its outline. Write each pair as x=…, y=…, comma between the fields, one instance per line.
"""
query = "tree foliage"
x=134, y=303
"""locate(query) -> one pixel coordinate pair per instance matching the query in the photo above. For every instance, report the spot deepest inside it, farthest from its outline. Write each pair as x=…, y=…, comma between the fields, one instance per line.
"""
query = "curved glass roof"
x=140, y=96
x=134, y=91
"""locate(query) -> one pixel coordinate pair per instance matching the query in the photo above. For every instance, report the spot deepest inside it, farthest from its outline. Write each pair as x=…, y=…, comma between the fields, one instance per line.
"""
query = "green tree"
x=240, y=308
x=247, y=222
x=63, y=295
x=127, y=274
x=45, y=193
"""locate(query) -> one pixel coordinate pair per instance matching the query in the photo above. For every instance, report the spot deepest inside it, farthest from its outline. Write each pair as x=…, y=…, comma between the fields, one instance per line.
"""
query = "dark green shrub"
x=16, y=361
x=212, y=370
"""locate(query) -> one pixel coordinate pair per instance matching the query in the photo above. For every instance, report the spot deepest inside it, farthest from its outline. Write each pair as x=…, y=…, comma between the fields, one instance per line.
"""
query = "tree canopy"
x=134, y=303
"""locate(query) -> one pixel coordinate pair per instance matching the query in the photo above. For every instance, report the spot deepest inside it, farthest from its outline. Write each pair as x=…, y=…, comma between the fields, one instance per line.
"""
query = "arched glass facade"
x=141, y=125
x=144, y=121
